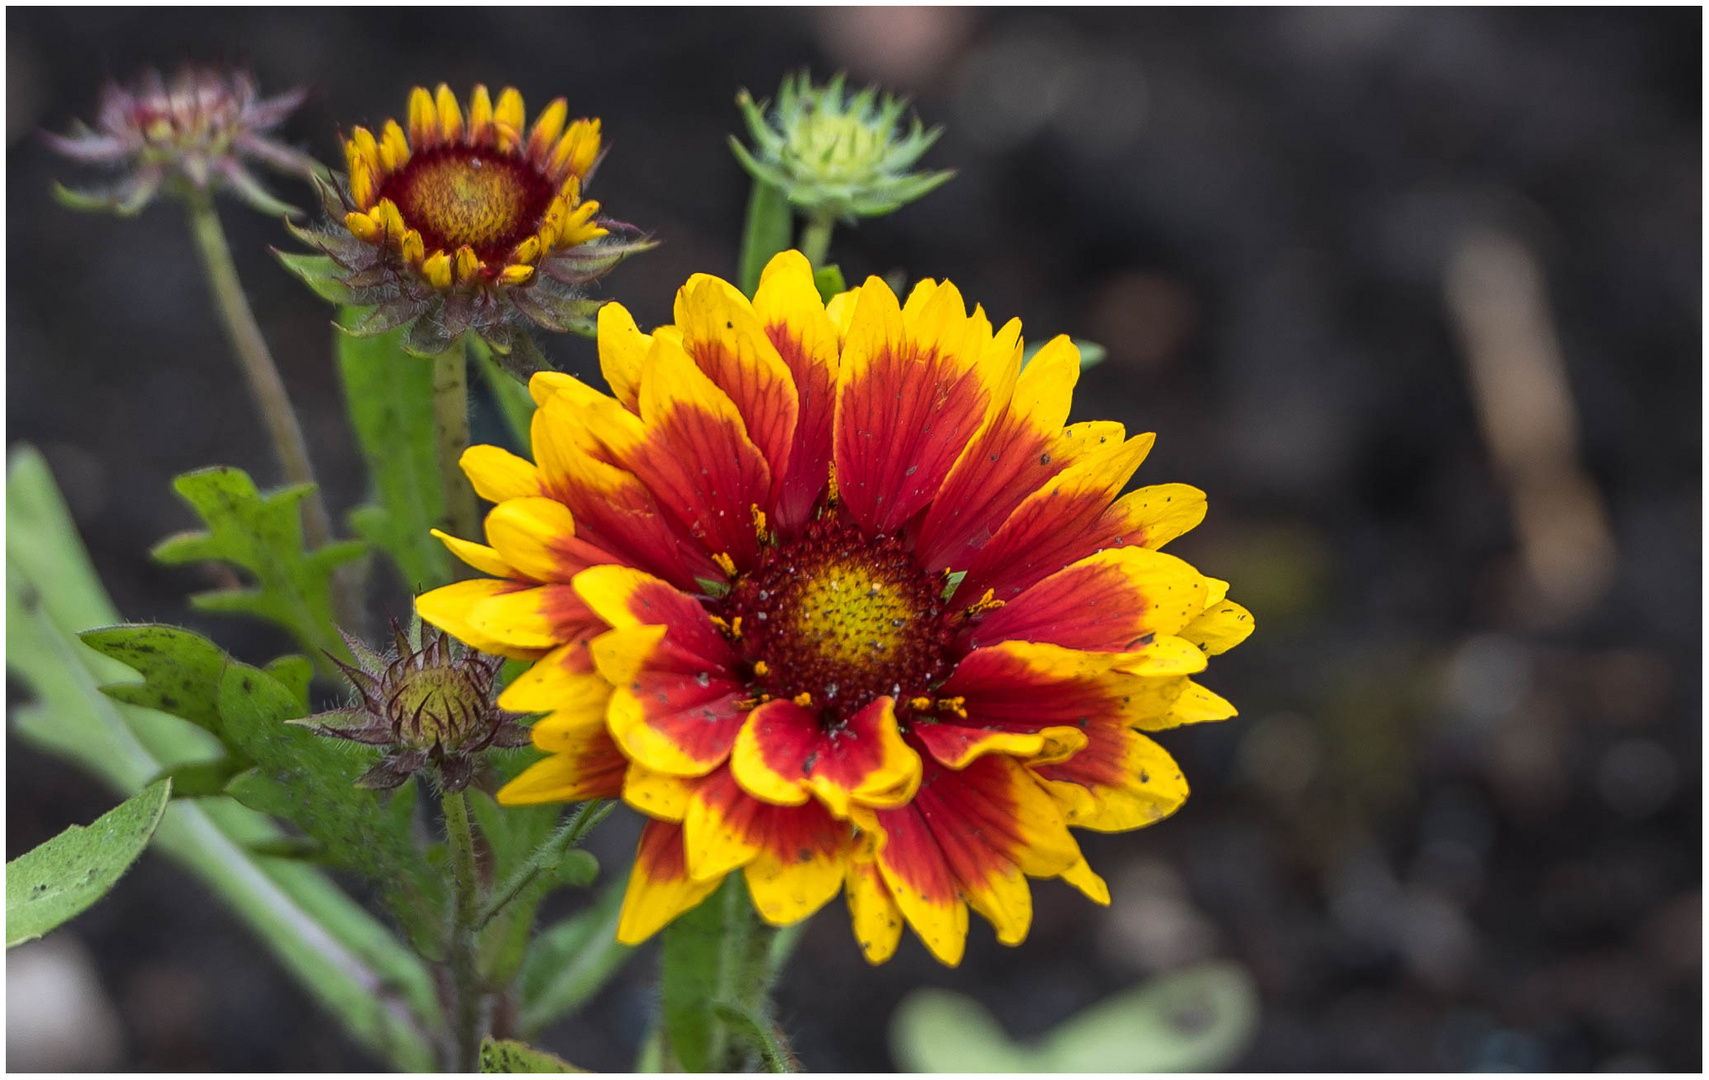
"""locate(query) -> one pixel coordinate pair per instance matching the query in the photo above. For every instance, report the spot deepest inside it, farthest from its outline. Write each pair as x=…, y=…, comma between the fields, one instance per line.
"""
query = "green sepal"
x=829, y=281
x=62, y=878
x=264, y=536
x=510, y=1056
x=320, y=273
x=389, y=398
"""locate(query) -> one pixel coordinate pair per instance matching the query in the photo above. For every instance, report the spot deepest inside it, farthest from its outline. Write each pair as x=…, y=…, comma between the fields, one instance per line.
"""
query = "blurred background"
x=1414, y=295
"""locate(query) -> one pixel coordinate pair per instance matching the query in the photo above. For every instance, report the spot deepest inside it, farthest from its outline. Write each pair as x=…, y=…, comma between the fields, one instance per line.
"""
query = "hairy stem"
x=468, y=995
x=451, y=426
x=257, y=363
x=546, y=858
x=816, y=239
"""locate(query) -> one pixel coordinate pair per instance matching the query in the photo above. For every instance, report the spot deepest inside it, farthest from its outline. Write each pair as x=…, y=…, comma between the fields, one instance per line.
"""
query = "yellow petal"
x=479, y=556
x=437, y=269
x=450, y=115
x=364, y=227
x=423, y=119
x=565, y=682
x=516, y=275
x=1220, y=628
x=622, y=353
x=450, y=607
x=468, y=265
x=497, y=474
x=656, y=794
x=480, y=115
x=527, y=532
x=509, y=112
x=873, y=914
x=547, y=128
x=394, y=148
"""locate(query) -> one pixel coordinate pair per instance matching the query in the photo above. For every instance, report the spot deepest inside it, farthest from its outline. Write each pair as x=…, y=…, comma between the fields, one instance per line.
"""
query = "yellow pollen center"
x=465, y=200
x=850, y=616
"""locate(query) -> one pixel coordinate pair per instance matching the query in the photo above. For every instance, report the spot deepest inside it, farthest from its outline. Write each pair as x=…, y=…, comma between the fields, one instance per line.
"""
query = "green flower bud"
x=430, y=707
x=836, y=155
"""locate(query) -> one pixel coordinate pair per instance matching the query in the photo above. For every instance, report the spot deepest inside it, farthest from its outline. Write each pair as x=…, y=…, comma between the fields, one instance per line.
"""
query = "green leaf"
x=766, y=231
x=1199, y=1019
x=761, y=1037
x=508, y=915
x=510, y=1056
x=715, y=953
x=343, y=957
x=569, y=963
x=1091, y=353
x=264, y=536
x=829, y=281
x=310, y=780
x=63, y=877
x=199, y=779
x=512, y=395
x=319, y=272
x=389, y=395
x=180, y=670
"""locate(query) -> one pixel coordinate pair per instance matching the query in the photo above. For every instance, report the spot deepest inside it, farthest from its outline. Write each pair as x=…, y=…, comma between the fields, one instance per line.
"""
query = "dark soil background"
x=1453, y=827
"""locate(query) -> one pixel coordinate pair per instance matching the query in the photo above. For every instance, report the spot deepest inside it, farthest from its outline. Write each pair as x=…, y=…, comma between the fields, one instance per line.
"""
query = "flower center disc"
x=458, y=195
x=842, y=619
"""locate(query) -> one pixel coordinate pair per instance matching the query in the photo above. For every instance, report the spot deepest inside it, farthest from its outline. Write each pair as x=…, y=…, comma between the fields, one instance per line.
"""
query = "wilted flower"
x=193, y=133
x=837, y=156
x=467, y=223
x=835, y=595
x=431, y=706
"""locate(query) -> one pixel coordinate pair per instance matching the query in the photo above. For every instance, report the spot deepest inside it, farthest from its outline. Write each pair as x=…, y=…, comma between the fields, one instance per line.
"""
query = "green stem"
x=468, y=996
x=451, y=427
x=257, y=363
x=816, y=239
x=546, y=858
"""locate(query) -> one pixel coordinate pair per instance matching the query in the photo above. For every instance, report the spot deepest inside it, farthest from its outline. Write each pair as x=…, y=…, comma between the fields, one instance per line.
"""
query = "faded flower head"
x=193, y=134
x=431, y=706
x=473, y=221
x=834, y=155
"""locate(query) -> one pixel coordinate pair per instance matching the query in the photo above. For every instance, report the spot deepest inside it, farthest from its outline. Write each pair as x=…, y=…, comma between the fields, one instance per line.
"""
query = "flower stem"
x=467, y=993
x=816, y=239
x=257, y=363
x=451, y=425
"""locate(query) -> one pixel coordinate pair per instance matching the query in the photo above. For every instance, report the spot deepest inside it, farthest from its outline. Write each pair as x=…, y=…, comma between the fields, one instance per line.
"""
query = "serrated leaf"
x=343, y=956
x=389, y=396
x=310, y=781
x=180, y=670
x=510, y=1056
x=829, y=281
x=264, y=536
x=63, y=877
x=766, y=230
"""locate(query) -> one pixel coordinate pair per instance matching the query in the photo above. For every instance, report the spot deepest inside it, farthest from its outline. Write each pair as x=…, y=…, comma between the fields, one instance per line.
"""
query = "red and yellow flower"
x=836, y=597
x=467, y=217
